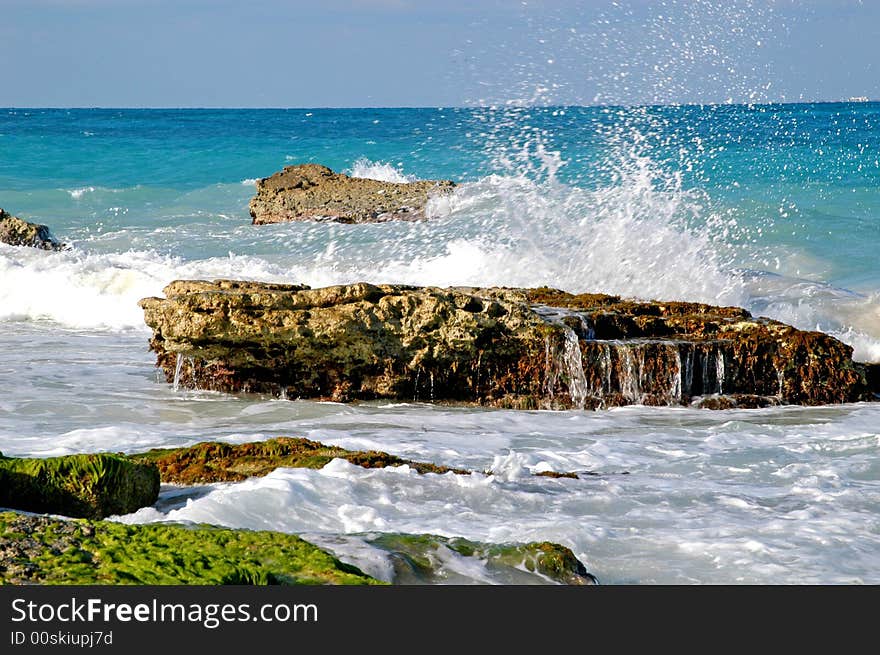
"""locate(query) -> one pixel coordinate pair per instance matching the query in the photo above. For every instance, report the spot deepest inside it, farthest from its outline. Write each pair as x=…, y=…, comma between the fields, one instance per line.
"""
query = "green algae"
x=40, y=550
x=84, y=486
x=419, y=559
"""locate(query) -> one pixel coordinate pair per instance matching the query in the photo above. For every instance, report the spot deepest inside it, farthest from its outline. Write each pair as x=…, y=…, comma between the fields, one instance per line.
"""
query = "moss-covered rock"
x=425, y=559
x=220, y=462
x=516, y=348
x=40, y=550
x=311, y=192
x=19, y=232
x=89, y=486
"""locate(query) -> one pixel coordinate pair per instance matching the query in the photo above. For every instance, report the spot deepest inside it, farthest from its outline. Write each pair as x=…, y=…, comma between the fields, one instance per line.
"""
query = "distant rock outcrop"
x=311, y=192
x=18, y=232
x=519, y=348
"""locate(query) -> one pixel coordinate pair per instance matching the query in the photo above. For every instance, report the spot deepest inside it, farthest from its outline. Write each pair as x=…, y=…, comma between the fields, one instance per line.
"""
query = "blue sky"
x=351, y=53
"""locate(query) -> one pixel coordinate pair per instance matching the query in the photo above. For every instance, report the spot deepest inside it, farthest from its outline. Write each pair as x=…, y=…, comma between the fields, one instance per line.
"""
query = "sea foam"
x=376, y=170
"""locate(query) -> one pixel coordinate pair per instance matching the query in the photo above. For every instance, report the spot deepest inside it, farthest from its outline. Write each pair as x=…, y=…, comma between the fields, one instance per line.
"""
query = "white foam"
x=76, y=194
x=249, y=181
x=629, y=238
x=851, y=317
x=672, y=520
x=377, y=170
x=88, y=290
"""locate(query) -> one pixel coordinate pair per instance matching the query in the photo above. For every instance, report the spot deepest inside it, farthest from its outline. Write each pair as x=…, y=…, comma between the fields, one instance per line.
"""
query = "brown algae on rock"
x=219, y=462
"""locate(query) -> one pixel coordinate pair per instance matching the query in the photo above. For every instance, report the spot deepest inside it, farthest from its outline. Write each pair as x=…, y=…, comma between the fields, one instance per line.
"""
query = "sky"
x=375, y=53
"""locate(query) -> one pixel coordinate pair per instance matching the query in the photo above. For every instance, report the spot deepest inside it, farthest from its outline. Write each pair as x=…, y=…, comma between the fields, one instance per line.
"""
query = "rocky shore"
x=516, y=348
x=44, y=550
x=311, y=192
x=38, y=549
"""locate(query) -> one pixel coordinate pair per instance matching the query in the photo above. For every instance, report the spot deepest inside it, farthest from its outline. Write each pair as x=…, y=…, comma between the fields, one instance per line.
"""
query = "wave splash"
x=377, y=170
x=640, y=233
x=85, y=290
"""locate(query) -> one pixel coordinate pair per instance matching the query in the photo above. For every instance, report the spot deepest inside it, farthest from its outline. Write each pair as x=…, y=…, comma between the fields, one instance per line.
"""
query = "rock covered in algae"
x=40, y=550
x=518, y=348
x=220, y=462
x=429, y=559
x=19, y=232
x=311, y=192
x=88, y=486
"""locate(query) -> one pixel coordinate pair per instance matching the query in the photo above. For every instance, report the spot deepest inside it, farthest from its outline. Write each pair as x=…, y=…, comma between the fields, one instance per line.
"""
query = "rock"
x=89, y=486
x=18, y=232
x=350, y=342
x=213, y=461
x=310, y=192
x=517, y=348
x=734, y=401
x=421, y=559
x=41, y=550
x=219, y=462
x=872, y=373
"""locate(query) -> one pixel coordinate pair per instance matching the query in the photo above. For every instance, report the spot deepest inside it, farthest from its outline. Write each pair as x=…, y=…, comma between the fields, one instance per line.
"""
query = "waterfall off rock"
x=638, y=371
x=177, y=367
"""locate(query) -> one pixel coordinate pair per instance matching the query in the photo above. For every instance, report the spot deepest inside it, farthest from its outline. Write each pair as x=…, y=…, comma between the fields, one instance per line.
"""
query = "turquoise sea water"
x=772, y=207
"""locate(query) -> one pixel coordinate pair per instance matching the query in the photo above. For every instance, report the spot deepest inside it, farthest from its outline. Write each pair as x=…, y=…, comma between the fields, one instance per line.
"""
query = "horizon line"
x=854, y=100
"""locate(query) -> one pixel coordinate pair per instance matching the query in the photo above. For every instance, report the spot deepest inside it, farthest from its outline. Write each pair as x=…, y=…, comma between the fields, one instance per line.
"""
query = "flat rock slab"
x=311, y=192
x=516, y=348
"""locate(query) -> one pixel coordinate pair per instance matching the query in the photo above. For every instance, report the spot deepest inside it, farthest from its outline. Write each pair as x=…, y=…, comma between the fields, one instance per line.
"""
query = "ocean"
x=775, y=208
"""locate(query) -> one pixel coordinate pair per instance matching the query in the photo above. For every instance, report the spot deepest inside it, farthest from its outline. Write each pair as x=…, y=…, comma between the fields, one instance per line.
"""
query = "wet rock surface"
x=43, y=550
x=220, y=462
x=46, y=550
x=19, y=232
x=213, y=461
x=87, y=486
x=311, y=192
x=424, y=559
x=517, y=348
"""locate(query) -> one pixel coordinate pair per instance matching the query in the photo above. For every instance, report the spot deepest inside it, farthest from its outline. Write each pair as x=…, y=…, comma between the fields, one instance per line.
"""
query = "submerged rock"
x=88, y=486
x=311, y=192
x=41, y=550
x=213, y=461
x=220, y=462
x=429, y=559
x=18, y=232
x=518, y=348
